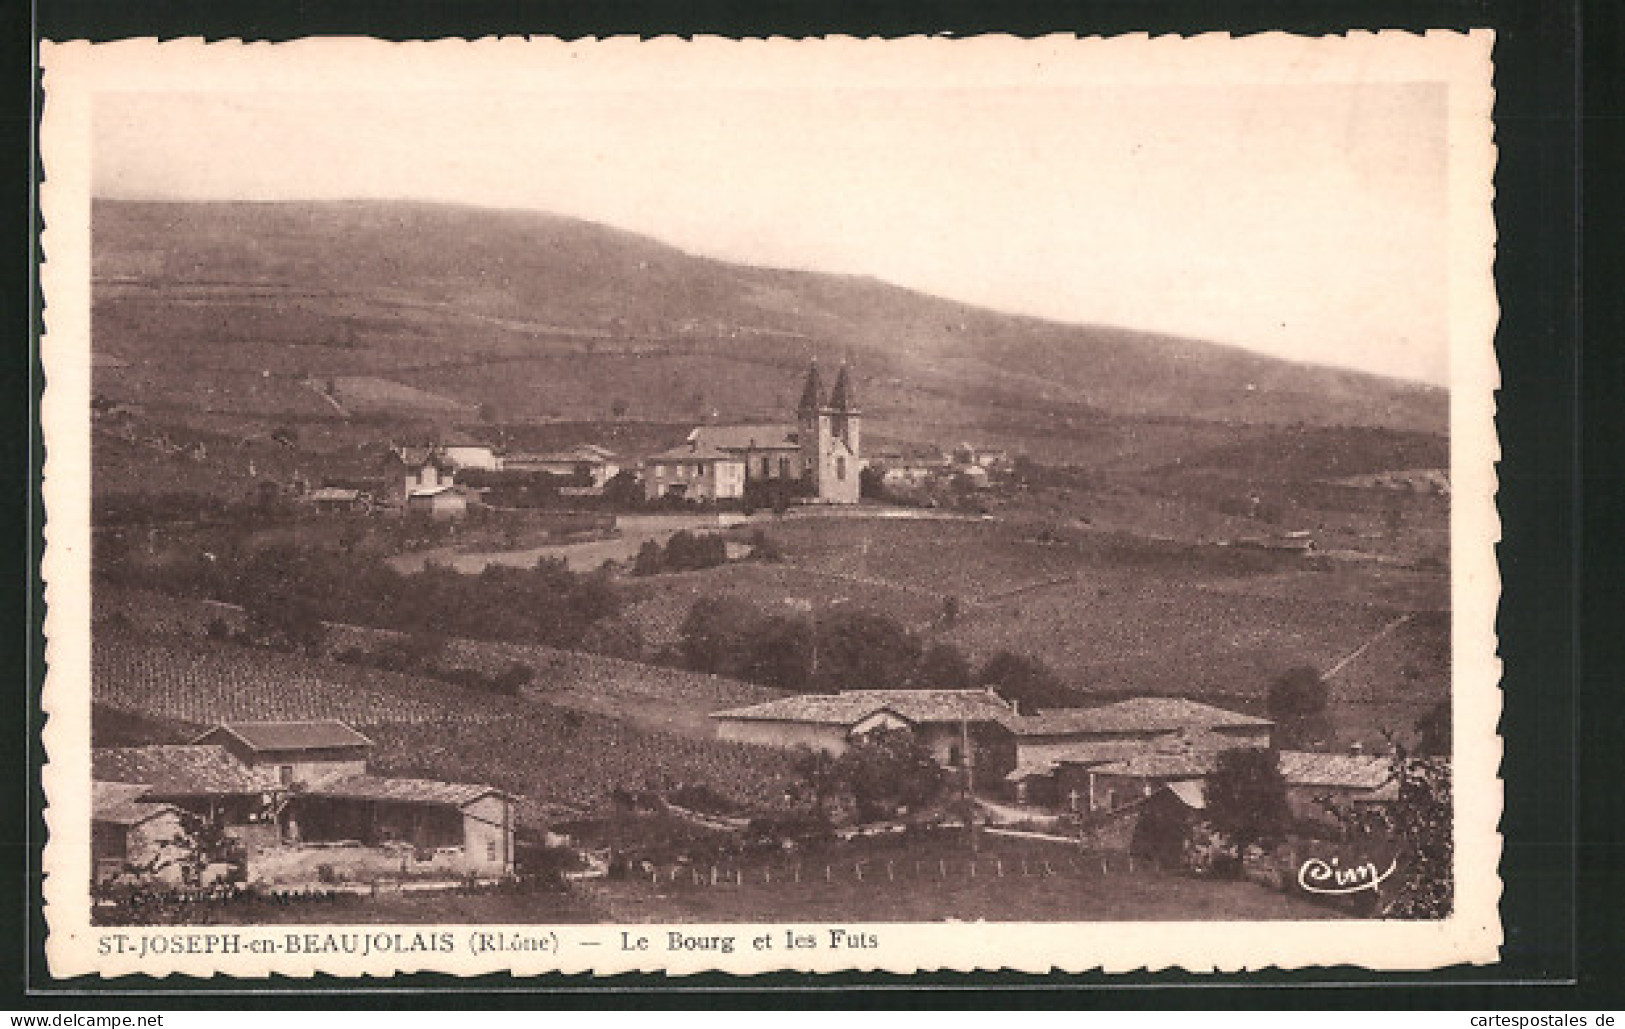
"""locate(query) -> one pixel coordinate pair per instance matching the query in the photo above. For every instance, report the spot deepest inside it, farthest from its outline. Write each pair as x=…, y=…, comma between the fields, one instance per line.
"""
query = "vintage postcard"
x=683, y=505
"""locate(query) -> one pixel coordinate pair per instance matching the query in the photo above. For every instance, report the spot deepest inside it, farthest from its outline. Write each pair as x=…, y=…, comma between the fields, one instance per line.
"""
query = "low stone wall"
x=316, y=863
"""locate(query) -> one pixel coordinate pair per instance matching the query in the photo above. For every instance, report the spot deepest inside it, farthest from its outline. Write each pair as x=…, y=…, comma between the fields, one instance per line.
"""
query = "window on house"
x=285, y=775
x=490, y=850
x=840, y=468
x=784, y=467
x=699, y=471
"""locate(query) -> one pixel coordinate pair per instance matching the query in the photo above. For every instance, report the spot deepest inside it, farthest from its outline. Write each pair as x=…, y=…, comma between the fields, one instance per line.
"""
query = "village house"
x=430, y=487
x=299, y=802
x=694, y=473
x=959, y=728
x=591, y=464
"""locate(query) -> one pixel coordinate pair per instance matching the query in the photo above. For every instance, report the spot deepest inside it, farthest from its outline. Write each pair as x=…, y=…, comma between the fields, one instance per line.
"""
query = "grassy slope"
x=535, y=314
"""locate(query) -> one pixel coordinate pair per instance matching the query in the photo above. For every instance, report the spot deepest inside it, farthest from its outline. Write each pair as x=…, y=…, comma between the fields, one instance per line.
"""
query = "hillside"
x=228, y=316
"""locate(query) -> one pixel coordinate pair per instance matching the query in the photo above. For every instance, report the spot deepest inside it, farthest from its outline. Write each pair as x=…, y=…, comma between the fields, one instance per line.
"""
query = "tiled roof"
x=1355, y=771
x=747, y=437
x=700, y=452
x=120, y=803
x=326, y=734
x=1190, y=753
x=852, y=706
x=1092, y=752
x=1161, y=766
x=410, y=791
x=1140, y=714
x=196, y=770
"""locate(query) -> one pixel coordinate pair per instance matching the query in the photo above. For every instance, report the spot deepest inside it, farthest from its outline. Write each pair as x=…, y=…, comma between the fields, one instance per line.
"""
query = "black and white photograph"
x=636, y=491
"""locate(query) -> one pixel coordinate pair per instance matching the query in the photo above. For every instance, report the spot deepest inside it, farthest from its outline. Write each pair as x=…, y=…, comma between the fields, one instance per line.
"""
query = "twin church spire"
x=842, y=398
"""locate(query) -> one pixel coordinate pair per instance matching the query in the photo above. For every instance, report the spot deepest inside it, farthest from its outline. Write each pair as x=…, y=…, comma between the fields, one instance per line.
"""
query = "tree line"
x=850, y=648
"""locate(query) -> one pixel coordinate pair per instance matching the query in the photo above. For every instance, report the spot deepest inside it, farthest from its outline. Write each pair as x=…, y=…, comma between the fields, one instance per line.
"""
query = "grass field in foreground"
x=1144, y=895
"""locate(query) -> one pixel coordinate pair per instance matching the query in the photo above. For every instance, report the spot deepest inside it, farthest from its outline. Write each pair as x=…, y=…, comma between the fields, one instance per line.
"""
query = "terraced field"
x=203, y=681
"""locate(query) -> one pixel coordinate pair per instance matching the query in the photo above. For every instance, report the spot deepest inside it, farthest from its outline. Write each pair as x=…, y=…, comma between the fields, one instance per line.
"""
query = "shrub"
x=764, y=548
x=1026, y=681
x=649, y=560
x=1299, y=693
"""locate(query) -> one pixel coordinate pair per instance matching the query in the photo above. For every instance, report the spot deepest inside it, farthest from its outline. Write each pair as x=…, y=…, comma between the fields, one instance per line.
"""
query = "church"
x=817, y=458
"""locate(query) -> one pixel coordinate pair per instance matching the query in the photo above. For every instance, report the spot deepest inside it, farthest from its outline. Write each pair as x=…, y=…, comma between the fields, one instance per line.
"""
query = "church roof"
x=842, y=397
x=748, y=437
x=697, y=452
x=812, y=394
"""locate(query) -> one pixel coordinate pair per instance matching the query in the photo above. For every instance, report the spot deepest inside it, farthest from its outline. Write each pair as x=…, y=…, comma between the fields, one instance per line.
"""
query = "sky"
x=1305, y=220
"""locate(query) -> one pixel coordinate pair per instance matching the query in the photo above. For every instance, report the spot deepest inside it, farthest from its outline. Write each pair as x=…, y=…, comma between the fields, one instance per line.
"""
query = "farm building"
x=438, y=502
x=127, y=832
x=295, y=753
x=1344, y=780
x=299, y=800
x=464, y=452
x=591, y=464
x=202, y=778
x=1148, y=741
x=452, y=827
x=429, y=484
x=958, y=727
x=1139, y=718
x=694, y=472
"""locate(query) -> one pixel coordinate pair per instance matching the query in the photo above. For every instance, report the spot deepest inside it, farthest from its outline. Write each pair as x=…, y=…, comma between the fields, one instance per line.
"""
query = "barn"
x=958, y=727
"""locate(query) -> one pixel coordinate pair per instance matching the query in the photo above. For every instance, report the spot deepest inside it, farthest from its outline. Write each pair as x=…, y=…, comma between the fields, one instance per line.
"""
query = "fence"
x=894, y=870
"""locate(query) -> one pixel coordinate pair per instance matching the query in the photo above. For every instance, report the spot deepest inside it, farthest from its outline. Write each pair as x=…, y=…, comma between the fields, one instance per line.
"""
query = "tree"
x=686, y=551
x=1297, y=702
x=1025, y=681
x=871, y=483
x=1299, y=693
x=713, y=635
x=778, y=652
x=888, y=769
x=649, y=560
x=1419, y=823
x=1246, y=797
x=816, y=770
x=1434, y=732
x=943, y=667
x=864, y=649
x=623, y=490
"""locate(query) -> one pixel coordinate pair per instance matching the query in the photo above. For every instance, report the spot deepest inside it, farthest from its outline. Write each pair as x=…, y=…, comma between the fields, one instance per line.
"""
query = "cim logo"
x=1333, y=876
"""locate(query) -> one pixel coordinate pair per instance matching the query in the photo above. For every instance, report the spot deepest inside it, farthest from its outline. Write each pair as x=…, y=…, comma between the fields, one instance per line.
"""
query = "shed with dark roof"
x=470, y=824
